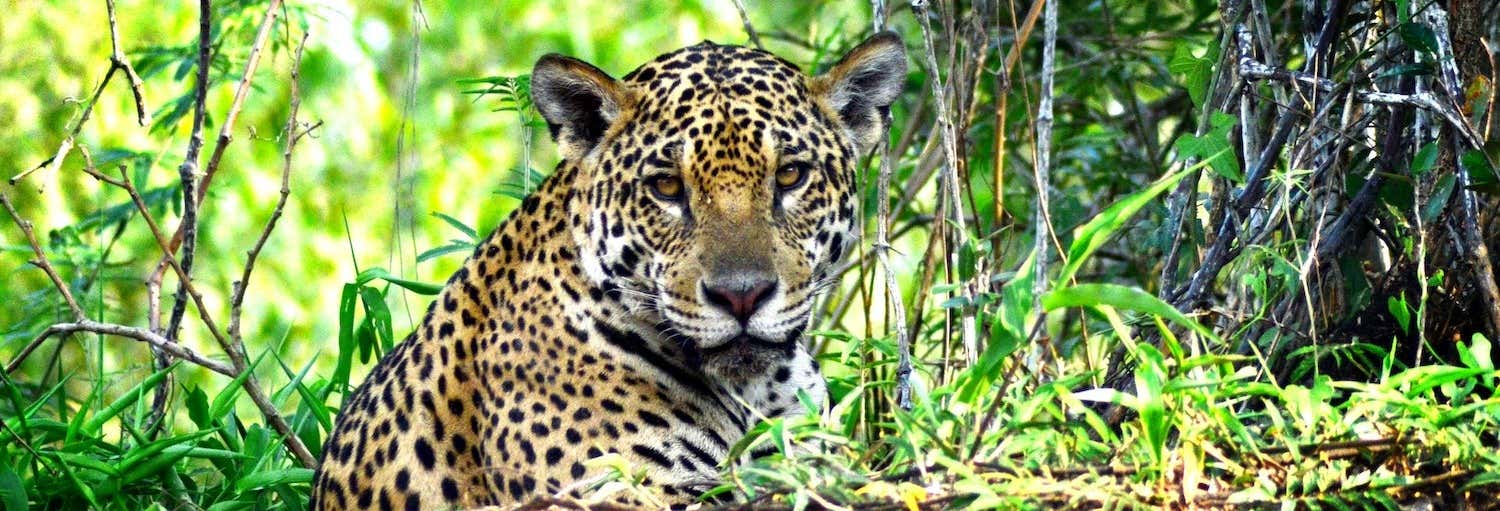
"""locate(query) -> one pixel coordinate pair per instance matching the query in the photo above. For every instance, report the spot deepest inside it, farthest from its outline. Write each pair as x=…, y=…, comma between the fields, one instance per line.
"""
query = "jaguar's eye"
x=668, y=188
x=791, y=175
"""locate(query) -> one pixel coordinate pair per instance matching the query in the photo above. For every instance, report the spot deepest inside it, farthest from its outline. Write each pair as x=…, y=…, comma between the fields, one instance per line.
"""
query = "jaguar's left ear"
x=862, y=86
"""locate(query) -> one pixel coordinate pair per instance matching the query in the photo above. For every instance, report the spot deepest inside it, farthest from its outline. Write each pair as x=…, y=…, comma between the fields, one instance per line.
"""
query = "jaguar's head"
x=716, y=187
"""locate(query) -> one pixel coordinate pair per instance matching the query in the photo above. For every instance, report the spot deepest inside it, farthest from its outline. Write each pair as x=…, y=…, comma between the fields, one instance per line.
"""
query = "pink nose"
x=740, y=297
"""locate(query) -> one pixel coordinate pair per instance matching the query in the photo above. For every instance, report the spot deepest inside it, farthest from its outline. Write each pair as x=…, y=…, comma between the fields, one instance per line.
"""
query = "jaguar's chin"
x=741, y=358
x=745, y=357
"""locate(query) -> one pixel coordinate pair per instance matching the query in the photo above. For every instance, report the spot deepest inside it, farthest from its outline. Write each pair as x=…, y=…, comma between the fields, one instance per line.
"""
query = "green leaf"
x=1480, y=480
x=1122, y=297
x=1214, y=147
x=421, y=288
x=1425, y=159
x=1150, y=379
x=364, y=338
x=1476, y=353
x=1424, y=378
x=1477, y=163
x=1090, y=236
x=1418, y=36
x=157, y=456
x=1196, y=72
x=968, y=259
x=197, y=405
x=1483, y=177
x=129, y=398
x=309, y=399
x=81, y=461
x=12, y=491
x=1399, y=310
x=469, y=231
x=1414, y=69
x=435, y=252
x=224, y=402
x=1436, y=280
x=378, y=315
x=1439, y=199
x=346, y=338
x=233, y=505
x=274, y=477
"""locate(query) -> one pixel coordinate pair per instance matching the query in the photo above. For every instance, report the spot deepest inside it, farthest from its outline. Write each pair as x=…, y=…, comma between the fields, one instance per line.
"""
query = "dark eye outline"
x=654, y=183
x=803, y=169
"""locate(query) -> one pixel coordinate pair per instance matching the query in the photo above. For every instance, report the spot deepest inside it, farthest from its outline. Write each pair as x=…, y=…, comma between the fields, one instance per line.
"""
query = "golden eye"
x=790, y=175
x=666, y=187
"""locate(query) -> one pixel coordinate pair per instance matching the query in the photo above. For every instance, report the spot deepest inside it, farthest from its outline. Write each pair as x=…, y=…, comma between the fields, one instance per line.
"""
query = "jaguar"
x=647, y=302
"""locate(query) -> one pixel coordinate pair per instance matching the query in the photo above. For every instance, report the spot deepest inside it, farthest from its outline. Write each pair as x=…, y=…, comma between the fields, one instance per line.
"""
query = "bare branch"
x=226, y=128
x=66, y=146
x=1424, y=100
x=892, y=287
x=118, y=61
x=290, y=134
x=41, y=258
x=235, y=351
x=952, y=183
x=1042, y=173
x=877, y=10
x=187, y=172
x=154, y=339
x=739, y=5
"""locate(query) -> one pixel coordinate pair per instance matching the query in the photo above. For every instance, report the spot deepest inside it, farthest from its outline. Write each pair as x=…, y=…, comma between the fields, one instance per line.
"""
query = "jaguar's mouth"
x=745, y=339
x=743, y=356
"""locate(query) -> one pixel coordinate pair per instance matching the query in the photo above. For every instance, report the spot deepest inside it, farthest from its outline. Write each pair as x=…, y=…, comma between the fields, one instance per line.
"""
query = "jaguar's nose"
x=741, y=295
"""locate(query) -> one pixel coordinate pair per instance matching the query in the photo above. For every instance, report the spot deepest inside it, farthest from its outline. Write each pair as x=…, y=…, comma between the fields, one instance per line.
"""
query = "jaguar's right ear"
x=578, y=100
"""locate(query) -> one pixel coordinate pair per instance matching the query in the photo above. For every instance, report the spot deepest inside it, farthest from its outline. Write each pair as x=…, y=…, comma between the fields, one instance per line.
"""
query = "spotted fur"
x=607, y=315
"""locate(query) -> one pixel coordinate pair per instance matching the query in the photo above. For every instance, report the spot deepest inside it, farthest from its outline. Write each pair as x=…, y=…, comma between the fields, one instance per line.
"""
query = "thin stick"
x=1002, y=103
x=749, y=29
x=235, y=351
x=892, y=287
x=118, y=61
x=950, y=150
x=291, y=134
x=226, y=129
x=1042, y=174
x=154, y=339
x=41, y=258
x=66, y=146
x=1022, y=35
x=894, y=301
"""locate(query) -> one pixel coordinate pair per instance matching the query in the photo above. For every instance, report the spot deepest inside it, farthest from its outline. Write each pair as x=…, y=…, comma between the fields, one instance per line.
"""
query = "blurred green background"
x=399, y=141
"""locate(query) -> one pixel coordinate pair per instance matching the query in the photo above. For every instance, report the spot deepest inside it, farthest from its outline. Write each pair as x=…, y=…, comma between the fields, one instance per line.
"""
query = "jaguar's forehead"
x=707, y=64
x=707, y=91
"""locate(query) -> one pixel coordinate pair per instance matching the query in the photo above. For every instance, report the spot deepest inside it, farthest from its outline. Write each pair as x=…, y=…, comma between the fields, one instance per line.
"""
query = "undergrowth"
x=1139, y=255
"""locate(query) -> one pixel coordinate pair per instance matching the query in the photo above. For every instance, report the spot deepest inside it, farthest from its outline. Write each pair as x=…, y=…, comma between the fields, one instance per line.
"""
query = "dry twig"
x=164, y=342
x=952, y=183
x=117, y=62
x=41, y=258
x=739, y=5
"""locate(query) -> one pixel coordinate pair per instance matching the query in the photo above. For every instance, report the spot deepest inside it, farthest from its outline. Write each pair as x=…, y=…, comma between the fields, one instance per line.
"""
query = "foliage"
x=1261, y=279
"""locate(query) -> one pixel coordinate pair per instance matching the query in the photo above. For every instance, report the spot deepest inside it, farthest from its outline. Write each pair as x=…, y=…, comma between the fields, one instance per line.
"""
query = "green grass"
x=1360, y=380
